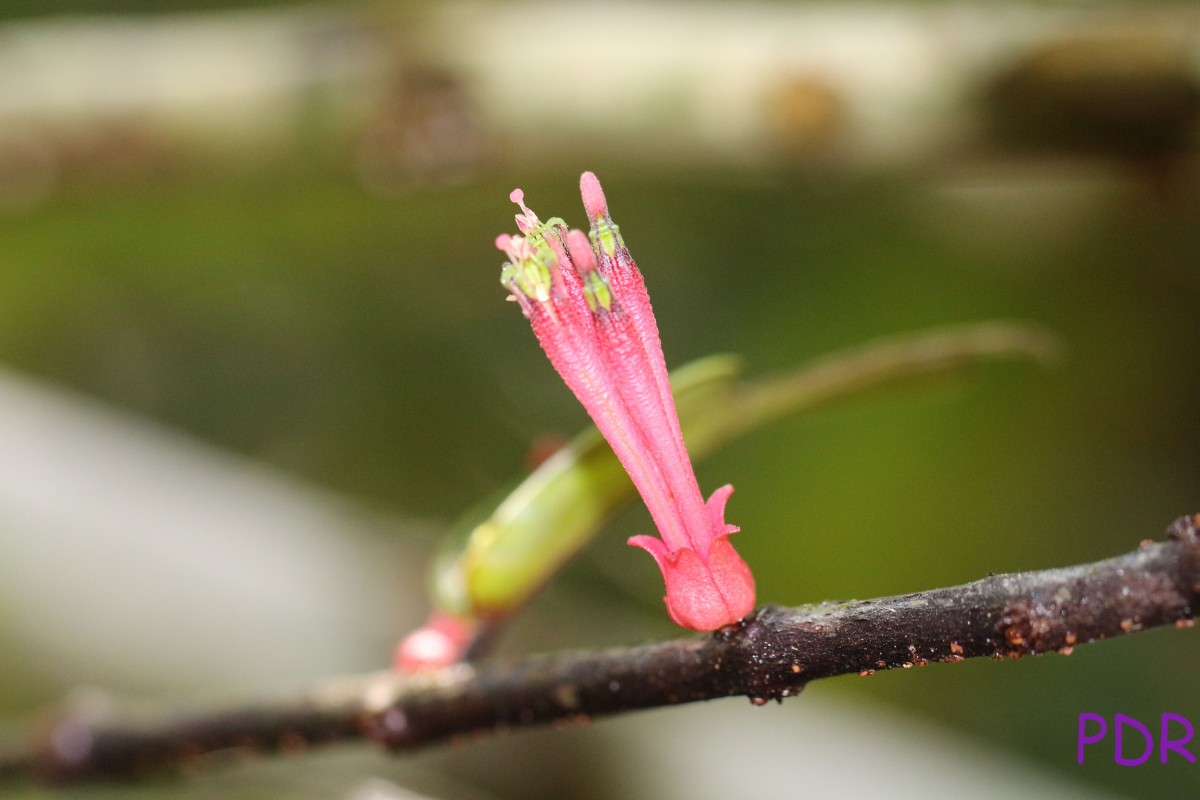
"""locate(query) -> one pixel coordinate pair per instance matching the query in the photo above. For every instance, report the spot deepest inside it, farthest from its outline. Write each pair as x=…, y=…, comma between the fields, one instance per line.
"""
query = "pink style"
x=589, y=309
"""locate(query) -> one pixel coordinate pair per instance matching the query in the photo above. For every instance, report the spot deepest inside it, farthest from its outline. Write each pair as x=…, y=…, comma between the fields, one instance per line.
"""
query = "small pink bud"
x=593, y=196
x=440, y=642
x=587, y=303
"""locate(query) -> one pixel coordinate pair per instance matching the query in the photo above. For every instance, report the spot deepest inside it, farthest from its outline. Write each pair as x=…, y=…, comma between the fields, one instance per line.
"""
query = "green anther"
x=531, y=276
x=508, y=274
x=538, y=239
x=543, y=253
x=597, y=292
x=537, y=279
x=606, y=235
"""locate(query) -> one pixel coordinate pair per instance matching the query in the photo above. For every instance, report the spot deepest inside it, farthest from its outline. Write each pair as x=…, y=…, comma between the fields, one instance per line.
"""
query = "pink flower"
x=589, y=309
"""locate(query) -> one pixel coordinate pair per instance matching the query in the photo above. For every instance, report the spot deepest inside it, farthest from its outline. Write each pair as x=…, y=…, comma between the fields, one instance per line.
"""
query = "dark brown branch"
x=770, y=655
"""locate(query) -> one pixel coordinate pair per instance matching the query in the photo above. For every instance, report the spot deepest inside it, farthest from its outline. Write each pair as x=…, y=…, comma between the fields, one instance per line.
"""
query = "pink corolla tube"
x=587, y=303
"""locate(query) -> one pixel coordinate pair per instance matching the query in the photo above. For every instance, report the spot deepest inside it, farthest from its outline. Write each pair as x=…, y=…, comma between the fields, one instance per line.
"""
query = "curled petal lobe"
x=716, y=511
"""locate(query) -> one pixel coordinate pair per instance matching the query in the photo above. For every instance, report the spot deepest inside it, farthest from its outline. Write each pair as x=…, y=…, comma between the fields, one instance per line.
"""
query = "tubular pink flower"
x=587, y=303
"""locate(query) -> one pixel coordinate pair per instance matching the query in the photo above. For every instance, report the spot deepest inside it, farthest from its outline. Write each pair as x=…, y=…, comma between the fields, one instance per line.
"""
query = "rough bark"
x=771, y=654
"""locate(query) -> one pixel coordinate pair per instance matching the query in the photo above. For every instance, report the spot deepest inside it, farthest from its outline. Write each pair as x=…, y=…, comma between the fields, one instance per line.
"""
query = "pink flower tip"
x=580, y=250
x=593, y=196
x=440, y=642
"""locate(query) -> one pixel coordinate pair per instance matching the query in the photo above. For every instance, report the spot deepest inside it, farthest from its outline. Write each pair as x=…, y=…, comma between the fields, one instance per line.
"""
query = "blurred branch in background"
x=436, y=94
x=772, y=654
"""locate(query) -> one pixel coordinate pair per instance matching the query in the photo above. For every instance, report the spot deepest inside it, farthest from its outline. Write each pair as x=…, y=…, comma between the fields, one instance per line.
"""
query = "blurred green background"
x=319, y=292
